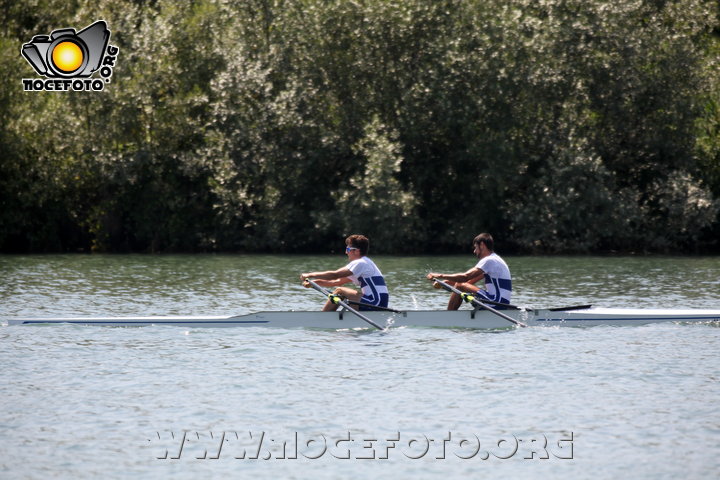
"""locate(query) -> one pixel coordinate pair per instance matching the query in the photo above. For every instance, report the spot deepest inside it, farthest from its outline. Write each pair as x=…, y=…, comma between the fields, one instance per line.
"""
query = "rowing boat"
x=481, y=319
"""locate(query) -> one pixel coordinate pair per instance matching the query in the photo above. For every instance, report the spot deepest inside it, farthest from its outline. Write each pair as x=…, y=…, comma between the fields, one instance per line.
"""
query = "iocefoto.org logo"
x=68, y=59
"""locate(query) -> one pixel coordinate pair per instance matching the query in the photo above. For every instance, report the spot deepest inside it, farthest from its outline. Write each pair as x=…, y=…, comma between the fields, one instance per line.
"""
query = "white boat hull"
x=418, y=318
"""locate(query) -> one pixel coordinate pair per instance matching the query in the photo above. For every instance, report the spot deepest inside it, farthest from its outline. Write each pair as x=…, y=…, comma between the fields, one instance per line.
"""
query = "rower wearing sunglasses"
x=361, y=271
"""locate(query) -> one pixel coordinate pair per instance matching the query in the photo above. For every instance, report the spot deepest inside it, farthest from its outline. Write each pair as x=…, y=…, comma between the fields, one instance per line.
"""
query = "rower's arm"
x=480, y=276
x=474, y=274
x=328, y=275
x=333, y=283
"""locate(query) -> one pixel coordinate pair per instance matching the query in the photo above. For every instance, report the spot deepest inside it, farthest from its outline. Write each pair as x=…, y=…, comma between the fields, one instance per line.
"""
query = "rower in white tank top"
x=498, y=283
x=369, y=278
x=361, y=271
x=490, y=268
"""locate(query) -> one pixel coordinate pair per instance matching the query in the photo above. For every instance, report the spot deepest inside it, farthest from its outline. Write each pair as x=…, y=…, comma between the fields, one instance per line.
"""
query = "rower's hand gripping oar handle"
x=475, y=302
x=337, y=299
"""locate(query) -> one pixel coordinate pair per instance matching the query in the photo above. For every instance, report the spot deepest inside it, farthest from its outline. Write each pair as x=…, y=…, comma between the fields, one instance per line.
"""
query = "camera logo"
x=68, y=59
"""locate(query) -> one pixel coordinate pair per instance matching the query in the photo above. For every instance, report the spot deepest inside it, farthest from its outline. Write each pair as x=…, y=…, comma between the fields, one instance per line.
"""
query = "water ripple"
x=91, y=402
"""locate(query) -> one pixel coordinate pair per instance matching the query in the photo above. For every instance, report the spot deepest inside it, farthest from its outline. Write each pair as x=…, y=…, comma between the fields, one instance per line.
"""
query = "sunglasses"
x=347, y=249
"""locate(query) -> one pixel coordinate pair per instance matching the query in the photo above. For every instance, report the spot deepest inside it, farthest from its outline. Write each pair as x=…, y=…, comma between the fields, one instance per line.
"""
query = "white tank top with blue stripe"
x=367, y=276
x=498, y=283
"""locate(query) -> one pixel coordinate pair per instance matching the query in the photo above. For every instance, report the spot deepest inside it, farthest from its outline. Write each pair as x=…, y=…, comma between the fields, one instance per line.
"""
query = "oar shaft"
x=477, y=303
x=374, y=307
x=344, y=304
x=500, y=304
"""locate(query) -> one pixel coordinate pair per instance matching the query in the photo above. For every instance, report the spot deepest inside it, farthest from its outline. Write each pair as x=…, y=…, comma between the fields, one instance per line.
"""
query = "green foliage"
x=284, y=125
x=374, y=200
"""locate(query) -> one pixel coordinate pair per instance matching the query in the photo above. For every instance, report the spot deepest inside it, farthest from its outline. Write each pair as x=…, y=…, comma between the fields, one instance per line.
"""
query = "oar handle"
x=475, y=302
x=338, y=300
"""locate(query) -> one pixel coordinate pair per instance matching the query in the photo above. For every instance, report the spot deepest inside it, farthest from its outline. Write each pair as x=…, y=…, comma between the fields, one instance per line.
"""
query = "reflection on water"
x=60, y=285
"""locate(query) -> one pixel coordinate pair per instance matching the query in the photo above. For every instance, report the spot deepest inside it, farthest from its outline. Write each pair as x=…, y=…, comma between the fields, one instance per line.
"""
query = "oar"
x=493, y=302
x=475, y=302
x=337, y=299
x=374, y=307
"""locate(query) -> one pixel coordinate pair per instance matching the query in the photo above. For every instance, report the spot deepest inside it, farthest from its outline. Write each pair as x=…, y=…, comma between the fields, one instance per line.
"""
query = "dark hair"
x=485, y=238
x=360, y=242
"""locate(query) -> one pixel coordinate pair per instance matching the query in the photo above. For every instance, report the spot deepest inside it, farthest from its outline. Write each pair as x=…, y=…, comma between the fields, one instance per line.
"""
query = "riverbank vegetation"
x=283, y=125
